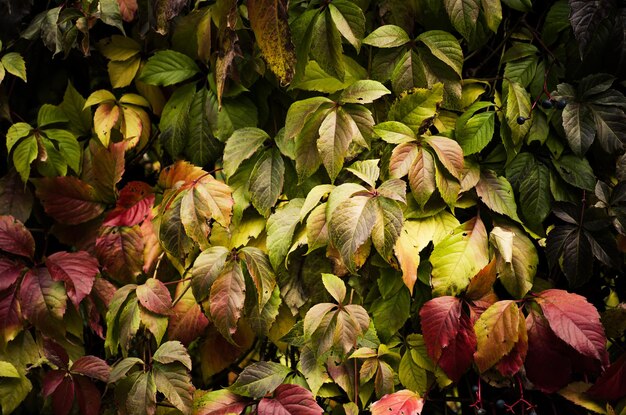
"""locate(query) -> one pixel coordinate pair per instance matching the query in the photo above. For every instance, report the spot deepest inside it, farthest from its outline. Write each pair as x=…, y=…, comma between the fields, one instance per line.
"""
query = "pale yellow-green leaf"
x=14, y=64
x=122, y=73
x=497, y=331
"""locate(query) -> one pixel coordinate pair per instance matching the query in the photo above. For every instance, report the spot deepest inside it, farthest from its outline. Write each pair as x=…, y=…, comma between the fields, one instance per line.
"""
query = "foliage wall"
x=297, y=207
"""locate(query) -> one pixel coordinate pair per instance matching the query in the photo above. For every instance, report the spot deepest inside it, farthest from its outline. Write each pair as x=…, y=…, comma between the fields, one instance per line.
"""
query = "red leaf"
x=77, y=269
x=10, y=271
x=120, y=251
x=15, y=238
x=68, y=199
x=128, y=8
x=10, y=323
x=187, y=320
x=88, y=396
x=51, y=381
x=448, y=334
x=56, y=354
x=575, y=321
x=103, y=290
x=612, y=384
x=133, y=206
x=155, y=296
x=63, y=397
x=290, y=399
x=43, y=300
x=547, y=365
x=92, y=366
x=403, y=402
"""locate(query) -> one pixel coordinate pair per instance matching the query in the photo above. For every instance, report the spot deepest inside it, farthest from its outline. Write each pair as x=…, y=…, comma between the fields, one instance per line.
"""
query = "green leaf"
x=172, y=351
x=268, y=19
x=16, y=132
x=476, y=132
x=363, y=92
x=206, y=269
x=387, y=227
x=535, y=194
x=349, y=20
x=13, y=391
x=280, y=228
x=326, y=49
x=575, y=171
x=175, y=120
x=142, y=395
x=335, y=287
x=394, y=132
x=168, y=67
x=7, y=370
x=387, y=36
x=517, y=105
x=23, y=155
x=266, y=181
x=69, y=147
x=316, y=79
x=458, y=257
x=366, y=170
x=422, y=176
x=578, y=124
x=409, y=72
x=516, y=271
x=299, y=113
x=411, y=374
x=610, y=125
x=417, y=107
x=493, y=14
x=391, y=310
x=521, y=5
x=351, y=225
x=496, y=192
x=240, y=146
x=202, y=147
x=73, y=106
x=14, y=64
x=335, y=135
x=445, y=47
x=259, y=379
x=175, y=383
x=463, y=15
x=50, y=114
x=449, y=153
x=317, y=228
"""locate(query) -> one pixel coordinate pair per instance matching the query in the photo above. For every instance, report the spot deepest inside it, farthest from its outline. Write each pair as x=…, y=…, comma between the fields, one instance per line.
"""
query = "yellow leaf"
x=122, y=73
x=105, y=118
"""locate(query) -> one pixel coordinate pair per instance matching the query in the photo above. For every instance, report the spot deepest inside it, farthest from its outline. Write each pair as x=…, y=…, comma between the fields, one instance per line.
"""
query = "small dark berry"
x=521, y=120
x=482, y=411
x=546, y=103
x=500, y=404
x=560, y=104
x=475, y=388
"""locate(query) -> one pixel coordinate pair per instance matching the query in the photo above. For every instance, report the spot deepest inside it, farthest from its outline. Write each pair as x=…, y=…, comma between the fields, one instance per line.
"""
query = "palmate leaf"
x=459, y=257
x=448, y=334
x=259, y=379
x=268, y=19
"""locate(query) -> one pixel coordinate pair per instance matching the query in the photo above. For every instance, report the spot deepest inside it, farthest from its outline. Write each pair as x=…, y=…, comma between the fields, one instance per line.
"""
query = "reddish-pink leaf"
x=219, y=402
x=15, y=238
x=128, y=8
x=227, y=299
x=51, y=381
x=547, y=363
x=103, y=290
x=187, y=321
x=403, y=402
x=575, y=321
x=56, y=354
x=448, y=334
x=95, y=319
x=68, y=199
x=10, y=317
x=133, y=206
x=10, y=271
x=43, y=300
x=155, y=296
x=88, y=396
x=63, y=397
x=77, y=269
x=120, y=251
x=612, y=384
x=92, y=366
x=290, y=400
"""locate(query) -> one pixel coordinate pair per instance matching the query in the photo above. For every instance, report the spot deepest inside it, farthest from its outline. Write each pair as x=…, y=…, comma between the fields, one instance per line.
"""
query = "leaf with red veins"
x=10, y=316
x=120, y=251
x=154, y=296
x=43, y=300
x=133, y=206
x=187, y=321
x=547, y=363
x=128, y=8
x=88, y=396
x=15, y=238
x=403, y=402
x=68, y=199
x=575, y=321
x=290, y=400
x=77, y=269
x=93, y=367
x=10, y=271
x=448, y=334
x=610, y=386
